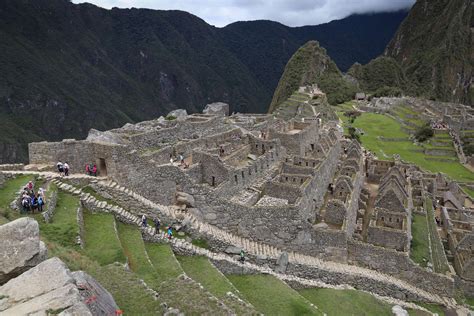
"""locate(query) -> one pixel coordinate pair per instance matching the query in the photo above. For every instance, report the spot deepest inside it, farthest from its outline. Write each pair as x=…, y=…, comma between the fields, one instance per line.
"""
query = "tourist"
x=170, y=232
x=157, y=225
x=181, y=159
x=41, y=192
x=66, y=169
x=30, y=185
x=221, y=150
x=88, y=170
x=144, y=224
x=34, y=203
x=242, y=256
x=171, y=159
x=25, y=203
x=40, y=203
x=60, y=167
x=94, y=171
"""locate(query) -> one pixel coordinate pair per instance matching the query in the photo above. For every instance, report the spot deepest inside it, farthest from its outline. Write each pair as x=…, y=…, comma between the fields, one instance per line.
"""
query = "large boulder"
x=105, y=137
x=180, y=114
x=217, y=108
x=282, y=262
x=183, y=198
x=20, y=248
x=50, y=286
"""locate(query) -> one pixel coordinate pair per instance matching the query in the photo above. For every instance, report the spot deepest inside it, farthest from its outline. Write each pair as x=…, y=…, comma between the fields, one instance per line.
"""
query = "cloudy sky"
x=289, y=12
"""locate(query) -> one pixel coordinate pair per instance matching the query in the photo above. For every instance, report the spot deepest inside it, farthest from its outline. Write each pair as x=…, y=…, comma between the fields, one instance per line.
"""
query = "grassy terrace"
x=420, y=246
x=271, y=296
x=375, y=126
x=440, y=263
x=101, y=242
x=346, y=302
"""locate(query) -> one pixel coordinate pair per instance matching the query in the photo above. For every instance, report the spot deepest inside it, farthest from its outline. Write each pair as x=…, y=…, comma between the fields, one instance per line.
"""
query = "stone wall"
x=388, y=237
x=399, y=265
x=50, y=206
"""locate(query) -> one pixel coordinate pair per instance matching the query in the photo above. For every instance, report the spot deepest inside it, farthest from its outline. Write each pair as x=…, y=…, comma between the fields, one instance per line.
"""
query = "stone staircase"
x=251, y=247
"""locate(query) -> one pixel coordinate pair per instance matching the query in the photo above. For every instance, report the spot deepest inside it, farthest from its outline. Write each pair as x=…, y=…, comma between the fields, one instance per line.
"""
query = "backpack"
x=25, y=202
x=40, y=201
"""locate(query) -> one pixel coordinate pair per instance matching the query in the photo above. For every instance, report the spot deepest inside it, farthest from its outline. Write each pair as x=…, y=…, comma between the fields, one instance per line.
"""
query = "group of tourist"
x=156, y=221
x=439, y=125
x=63, y=168
x=180, y=158
x=31, y=200
x=91, y=169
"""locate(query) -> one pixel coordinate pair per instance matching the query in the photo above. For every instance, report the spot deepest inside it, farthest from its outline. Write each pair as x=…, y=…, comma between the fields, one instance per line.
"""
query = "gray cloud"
x=289, y=12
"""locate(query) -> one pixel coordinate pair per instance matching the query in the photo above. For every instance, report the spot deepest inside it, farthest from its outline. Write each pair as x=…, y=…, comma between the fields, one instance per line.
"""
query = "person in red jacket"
x=88, y=172
x=94, y=171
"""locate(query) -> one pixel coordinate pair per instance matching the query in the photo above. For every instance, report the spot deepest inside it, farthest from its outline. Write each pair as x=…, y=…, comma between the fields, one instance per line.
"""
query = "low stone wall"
x=399, y=265
x=80, y=224
x=50, y=206
x=4, y=177
x=10, y=167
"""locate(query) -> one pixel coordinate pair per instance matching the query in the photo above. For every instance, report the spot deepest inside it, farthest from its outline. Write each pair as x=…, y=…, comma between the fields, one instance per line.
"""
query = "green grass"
x=101, y=242
x=437, y=309
x=91, y=191
x=202, y=243
x=162, y=258
x=346, y=302
x=271, y=296
x=63, y=228
x=469, y=301
x=440, y=263
x=201, y=270
x=468, y=191
x=420, y=252
x=375, y=125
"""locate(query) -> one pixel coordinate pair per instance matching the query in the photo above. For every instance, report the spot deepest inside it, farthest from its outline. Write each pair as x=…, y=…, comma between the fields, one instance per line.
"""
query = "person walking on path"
x=60, y=167
x=157, y=225
x=94, y=171
x=144, y=221
x=170, y=232
x=66, y=169
x=242, y=256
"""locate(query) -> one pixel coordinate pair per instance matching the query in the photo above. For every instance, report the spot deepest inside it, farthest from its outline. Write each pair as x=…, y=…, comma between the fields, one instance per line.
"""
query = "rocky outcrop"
x=183, y=198
x=217, y=108
x=179, y=114
x=20, y=248
x=47, y=287
x=105, y=137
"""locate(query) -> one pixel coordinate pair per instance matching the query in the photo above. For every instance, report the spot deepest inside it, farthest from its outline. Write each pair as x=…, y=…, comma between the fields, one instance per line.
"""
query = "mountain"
x=435, y=48
x=311, y=65
x=67, y=68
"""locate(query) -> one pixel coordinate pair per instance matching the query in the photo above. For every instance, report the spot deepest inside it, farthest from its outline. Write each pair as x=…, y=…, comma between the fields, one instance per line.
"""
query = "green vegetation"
x=346, y=302
x=101, y=242
x=310, y=65
x=202, y=271
x=200, y=243
x=164, y=261
x=382, y=76
x=279, y=298
x=420, y=246
x=444, y=48
x=440, y=263
x=170, y=118
x=63, y=229
x=424, y=133
x=376, y=127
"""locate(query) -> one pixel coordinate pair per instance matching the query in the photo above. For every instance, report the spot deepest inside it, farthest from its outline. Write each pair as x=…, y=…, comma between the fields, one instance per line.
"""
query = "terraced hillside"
x=147, y=278
x=388, y=134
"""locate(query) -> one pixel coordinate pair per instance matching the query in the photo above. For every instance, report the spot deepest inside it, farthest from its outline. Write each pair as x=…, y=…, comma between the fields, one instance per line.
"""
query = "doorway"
x=102, y=167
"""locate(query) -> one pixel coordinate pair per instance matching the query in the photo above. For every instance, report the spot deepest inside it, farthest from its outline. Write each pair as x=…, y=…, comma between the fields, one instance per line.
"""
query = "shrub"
x=424, y=133
x=170, y=118
x=353, y=133
x=387, y=91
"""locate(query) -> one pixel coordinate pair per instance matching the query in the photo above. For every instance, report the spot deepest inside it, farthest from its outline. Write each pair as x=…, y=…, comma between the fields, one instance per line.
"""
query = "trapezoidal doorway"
x=102, y=167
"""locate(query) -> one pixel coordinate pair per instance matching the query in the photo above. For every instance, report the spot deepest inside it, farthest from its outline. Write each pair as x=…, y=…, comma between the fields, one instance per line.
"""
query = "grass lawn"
x=101, y=242
x=440, y=263
x=420, y=252
x=375, y=125
x=271, y=296
x=201, y=270
x=468, y=191
x=346, y=302
x=8, y=192
x=63, y=229
x=164, y=261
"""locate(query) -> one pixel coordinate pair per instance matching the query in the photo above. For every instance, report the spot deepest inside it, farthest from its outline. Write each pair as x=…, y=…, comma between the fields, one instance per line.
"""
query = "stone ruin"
x=296, y=184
